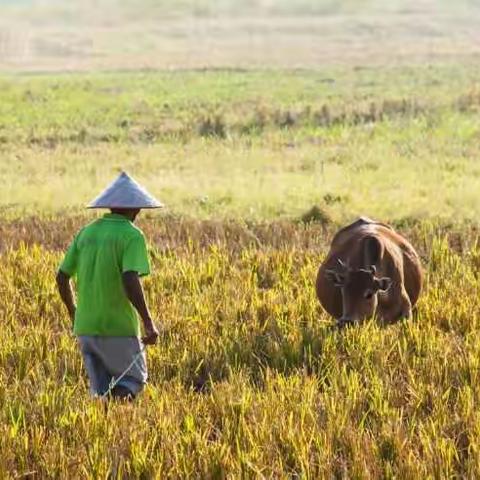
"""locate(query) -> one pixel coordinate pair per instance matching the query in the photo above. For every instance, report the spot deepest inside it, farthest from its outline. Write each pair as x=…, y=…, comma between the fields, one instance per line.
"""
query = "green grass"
x=259, y=145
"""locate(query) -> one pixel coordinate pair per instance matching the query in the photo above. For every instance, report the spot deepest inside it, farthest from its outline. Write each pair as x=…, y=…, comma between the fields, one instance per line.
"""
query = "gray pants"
x=106, y=358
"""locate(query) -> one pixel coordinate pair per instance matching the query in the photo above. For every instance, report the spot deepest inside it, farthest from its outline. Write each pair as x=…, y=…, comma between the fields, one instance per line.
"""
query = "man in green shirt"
x=107, y=259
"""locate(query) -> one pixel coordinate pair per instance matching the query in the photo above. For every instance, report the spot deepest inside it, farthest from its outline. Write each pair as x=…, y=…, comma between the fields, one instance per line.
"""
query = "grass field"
x=258, y=168
x=248, y=144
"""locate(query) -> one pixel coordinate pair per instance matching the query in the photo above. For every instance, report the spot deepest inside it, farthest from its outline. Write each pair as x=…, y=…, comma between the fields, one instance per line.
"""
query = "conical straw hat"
x=125, y=192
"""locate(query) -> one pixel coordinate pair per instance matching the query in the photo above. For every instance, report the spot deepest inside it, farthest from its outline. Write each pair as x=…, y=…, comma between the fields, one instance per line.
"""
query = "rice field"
x=249, y=379
x=258, y=169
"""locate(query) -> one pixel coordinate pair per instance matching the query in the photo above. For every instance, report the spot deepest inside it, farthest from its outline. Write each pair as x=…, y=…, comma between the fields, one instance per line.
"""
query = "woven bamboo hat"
x=125, y=192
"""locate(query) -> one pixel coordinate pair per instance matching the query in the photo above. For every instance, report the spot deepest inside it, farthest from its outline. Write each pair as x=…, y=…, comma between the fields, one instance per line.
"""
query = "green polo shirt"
x=97, y=257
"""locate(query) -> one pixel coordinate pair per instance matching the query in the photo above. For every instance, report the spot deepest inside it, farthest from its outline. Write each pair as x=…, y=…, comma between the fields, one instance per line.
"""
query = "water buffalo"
x=369, y=270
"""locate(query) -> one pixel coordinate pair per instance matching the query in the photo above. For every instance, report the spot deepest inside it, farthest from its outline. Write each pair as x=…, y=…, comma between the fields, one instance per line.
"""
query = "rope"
x=115, y=381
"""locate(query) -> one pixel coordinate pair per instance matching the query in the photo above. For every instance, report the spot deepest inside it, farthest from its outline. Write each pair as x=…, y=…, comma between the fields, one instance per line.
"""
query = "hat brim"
x=125, y=207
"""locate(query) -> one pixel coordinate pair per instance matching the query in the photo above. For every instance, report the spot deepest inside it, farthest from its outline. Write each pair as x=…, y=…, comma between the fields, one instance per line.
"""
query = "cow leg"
x=406, y=308
x=405, y=305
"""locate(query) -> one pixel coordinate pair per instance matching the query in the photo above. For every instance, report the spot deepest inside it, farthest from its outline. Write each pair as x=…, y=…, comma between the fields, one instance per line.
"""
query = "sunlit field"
x=394, y=142
x=249, y=379
x=258, y=164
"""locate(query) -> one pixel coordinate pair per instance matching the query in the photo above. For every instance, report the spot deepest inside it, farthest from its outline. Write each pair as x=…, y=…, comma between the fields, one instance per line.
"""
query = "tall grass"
x=249, y=378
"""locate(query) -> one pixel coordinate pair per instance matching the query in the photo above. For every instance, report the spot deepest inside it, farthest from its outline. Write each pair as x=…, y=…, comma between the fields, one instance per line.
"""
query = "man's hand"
x=151, y=334
x=134, y=291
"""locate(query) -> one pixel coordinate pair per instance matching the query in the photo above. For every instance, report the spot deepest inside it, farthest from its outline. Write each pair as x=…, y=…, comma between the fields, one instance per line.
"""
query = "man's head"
x=359, y=289
x=130, y=213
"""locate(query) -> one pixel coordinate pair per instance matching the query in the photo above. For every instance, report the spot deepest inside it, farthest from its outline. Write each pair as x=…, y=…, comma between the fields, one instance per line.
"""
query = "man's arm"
x=134, y=291
x=66, y=293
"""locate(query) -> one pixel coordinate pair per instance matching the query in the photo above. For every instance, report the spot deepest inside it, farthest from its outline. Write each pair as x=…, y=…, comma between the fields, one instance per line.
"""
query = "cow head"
x=360, y=290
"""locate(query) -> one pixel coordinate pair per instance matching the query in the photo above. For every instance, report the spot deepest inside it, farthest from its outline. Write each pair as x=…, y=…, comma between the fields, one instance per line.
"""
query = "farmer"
x=107, y=259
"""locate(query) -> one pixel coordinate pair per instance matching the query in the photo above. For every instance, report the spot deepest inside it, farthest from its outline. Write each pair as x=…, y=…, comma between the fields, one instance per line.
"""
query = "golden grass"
x=249, y=380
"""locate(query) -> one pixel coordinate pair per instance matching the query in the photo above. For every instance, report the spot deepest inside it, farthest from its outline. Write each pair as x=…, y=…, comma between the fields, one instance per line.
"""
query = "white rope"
x=115, y=381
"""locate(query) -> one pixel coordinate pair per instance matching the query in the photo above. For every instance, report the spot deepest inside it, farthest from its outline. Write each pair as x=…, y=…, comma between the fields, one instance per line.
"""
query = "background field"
x=108, y=34
x=267, y=126
x=251, y=144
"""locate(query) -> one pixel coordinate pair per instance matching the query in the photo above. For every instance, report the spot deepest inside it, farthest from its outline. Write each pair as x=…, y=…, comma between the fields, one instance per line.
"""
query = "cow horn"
x=342, y=264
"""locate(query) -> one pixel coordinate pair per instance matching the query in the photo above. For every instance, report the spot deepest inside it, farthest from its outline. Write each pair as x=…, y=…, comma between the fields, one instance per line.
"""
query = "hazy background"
x=57, y=35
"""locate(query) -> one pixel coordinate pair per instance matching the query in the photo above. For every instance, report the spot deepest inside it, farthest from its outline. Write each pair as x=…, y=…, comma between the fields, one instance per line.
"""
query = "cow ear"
x=383, y=284
x=336, y=278
x=372, y=250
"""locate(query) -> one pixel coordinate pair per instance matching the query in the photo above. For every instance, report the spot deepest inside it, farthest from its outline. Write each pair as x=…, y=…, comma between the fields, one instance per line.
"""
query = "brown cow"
x=370, y=269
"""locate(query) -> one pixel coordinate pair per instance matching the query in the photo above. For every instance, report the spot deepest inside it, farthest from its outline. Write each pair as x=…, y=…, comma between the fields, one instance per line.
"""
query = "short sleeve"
x=70, y=261
x=135, y=256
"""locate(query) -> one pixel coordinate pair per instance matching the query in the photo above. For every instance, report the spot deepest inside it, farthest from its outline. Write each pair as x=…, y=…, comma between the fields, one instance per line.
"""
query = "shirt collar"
x=115, y=216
